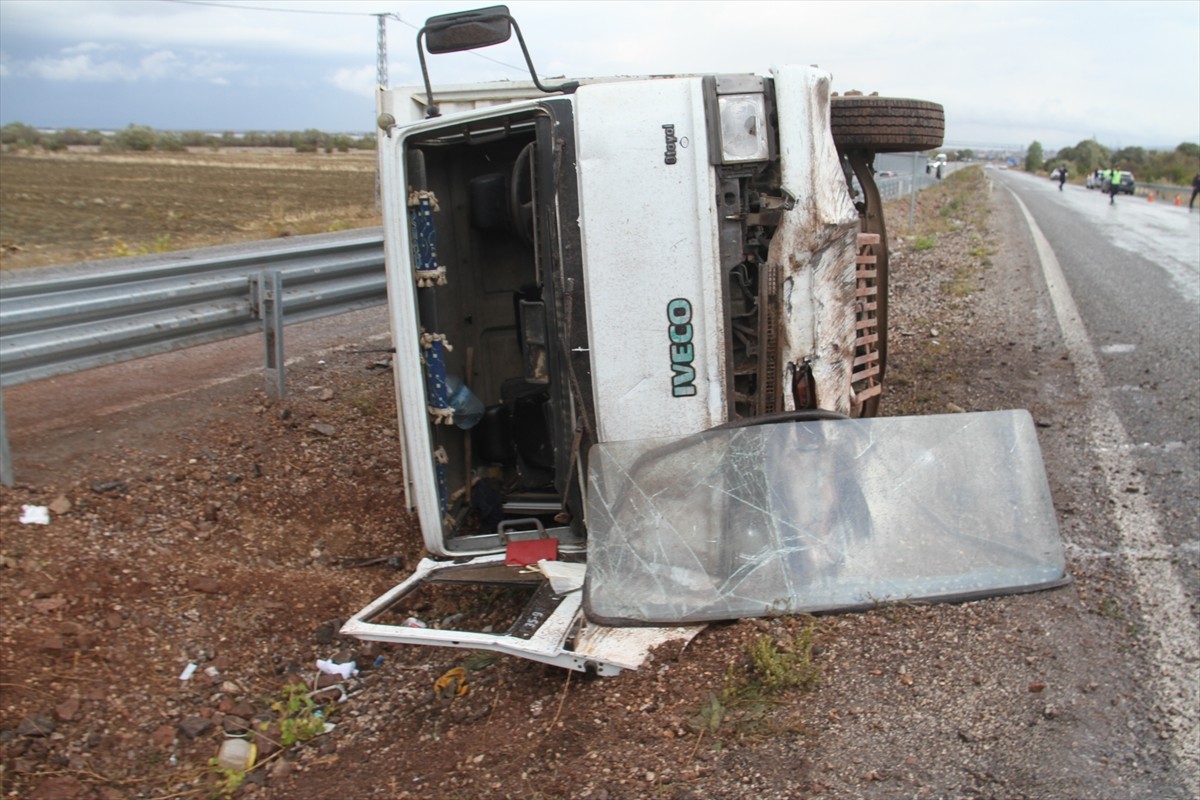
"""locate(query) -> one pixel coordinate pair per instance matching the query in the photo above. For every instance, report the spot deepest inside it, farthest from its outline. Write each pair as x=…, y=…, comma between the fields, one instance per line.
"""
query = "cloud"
x=77, y=68
x=356, y=80
x=89, y=47
x=89, y=62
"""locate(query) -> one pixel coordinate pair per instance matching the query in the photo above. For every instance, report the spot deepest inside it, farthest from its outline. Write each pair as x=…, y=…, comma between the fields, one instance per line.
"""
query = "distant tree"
x=1130, y=158
x=72, y=136
x=20, y=135
x=139, y=138
x=1174, y=167
x=169, y=142
x=310, y=141
x=1086, y=156
x=1034, y=157
x=367, y=142
x=199, y=139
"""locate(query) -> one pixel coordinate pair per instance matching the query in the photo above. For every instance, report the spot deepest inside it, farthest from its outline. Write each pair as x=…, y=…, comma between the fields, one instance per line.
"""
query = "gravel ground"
x=223, y=529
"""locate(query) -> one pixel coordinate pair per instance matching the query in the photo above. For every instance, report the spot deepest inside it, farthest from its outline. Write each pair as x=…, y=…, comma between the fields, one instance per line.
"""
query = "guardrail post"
x=912, y=193
x=6, y=465
x=270, y=311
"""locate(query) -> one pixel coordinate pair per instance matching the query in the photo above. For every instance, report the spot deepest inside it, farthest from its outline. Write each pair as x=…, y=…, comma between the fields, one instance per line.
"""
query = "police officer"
x=1114, y=183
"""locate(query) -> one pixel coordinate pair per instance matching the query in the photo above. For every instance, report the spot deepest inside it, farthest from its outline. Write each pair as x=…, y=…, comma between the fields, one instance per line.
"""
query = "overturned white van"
x=641, y=334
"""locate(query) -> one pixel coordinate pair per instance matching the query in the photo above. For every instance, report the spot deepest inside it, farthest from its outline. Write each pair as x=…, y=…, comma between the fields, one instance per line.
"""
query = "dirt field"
x=66, y=207
x=221, y=529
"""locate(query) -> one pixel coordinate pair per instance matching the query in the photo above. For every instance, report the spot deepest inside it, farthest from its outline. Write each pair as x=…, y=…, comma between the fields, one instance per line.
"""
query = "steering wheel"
x=520, y=194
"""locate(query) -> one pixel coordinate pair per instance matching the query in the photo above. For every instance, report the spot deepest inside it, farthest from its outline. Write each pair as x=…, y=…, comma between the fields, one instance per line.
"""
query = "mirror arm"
x=431, y=108
x=566, y=88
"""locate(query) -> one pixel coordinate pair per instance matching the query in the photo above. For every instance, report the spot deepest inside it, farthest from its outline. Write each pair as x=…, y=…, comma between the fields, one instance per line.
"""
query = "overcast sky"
x=1126, y=73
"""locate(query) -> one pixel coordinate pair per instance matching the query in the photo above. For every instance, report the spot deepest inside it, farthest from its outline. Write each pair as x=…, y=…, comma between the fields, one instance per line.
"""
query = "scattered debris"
x=345, y=671
x=35, y=515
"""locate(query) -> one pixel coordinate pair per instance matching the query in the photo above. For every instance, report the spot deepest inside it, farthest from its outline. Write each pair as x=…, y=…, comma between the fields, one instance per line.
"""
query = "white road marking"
x=1171, y=630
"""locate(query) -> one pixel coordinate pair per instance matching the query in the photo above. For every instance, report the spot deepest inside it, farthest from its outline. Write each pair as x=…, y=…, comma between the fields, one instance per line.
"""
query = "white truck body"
x=630, y=260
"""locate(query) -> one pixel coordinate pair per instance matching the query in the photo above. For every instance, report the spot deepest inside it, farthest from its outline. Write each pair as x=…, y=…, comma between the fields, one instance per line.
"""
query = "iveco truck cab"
x=640, y=330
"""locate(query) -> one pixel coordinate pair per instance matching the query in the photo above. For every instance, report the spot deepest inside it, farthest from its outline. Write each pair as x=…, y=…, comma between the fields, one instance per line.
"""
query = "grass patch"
x=161, y=244
x=769, y=670
x=924, y=243
x=952, y=206
x=963, y=283
x=299, y=718
x=365, y=404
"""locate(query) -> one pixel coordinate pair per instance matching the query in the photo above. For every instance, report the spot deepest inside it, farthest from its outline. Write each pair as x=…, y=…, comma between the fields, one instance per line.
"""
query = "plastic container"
x=237, y=754
x=468, y=409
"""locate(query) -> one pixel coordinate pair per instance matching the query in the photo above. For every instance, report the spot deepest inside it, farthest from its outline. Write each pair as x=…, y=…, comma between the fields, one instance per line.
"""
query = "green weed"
x=161, y=244
x=299, y=719
x=364, y=404
x=963, y=283
x=227, y=781
x=750, y=689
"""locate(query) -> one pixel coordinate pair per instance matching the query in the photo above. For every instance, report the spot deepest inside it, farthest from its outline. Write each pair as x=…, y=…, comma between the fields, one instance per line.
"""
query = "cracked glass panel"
x=818, y=516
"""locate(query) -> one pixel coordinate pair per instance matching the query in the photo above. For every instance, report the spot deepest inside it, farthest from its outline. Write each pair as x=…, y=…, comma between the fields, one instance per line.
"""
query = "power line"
x=380, y=16
x=241, y=7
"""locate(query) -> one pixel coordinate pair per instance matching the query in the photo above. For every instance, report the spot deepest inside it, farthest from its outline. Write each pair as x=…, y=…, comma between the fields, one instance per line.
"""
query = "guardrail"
x=1162, y=192
x=897, y=186
x=54, y=326
x=60, y=325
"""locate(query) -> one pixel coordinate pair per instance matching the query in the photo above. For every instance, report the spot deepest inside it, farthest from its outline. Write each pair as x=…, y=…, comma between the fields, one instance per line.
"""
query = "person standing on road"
x=1062, y=176
x=1114, y=183
x=1195, y=190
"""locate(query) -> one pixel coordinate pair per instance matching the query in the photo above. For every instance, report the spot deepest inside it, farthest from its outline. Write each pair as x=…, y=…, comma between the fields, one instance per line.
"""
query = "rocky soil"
x=228, y=535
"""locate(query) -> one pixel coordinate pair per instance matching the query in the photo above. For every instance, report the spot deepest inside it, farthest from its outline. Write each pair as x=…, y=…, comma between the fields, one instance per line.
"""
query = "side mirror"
x=468, y=30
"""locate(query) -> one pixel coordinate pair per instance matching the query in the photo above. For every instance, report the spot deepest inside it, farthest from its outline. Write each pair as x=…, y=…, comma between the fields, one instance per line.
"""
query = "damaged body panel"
x=813, y=251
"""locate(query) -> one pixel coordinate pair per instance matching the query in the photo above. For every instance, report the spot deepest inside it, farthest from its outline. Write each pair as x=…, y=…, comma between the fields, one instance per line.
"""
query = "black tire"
x=886, y=124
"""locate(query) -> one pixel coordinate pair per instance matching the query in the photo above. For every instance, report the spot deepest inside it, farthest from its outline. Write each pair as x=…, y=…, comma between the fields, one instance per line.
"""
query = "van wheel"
x=886, y=124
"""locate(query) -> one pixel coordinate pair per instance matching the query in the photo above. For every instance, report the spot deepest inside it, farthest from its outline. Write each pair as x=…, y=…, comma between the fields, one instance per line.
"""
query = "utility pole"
x=381, y=76
x=381, y=81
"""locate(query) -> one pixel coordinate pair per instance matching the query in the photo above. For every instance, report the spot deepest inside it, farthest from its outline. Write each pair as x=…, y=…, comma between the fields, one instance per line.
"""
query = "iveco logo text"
x=679, y=331
x=669, y=155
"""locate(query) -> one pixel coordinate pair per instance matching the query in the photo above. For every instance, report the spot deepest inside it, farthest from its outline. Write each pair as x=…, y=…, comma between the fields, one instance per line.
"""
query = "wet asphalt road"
x=1123, y=279
x=1133, y=269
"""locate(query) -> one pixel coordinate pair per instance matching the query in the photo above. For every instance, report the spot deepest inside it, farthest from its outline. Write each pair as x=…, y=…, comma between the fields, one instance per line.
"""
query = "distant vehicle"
x=1099, y=180
x=886, y=173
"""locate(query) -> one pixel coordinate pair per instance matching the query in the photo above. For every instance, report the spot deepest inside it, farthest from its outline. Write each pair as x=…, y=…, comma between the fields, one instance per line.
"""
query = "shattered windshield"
x=818, y=516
